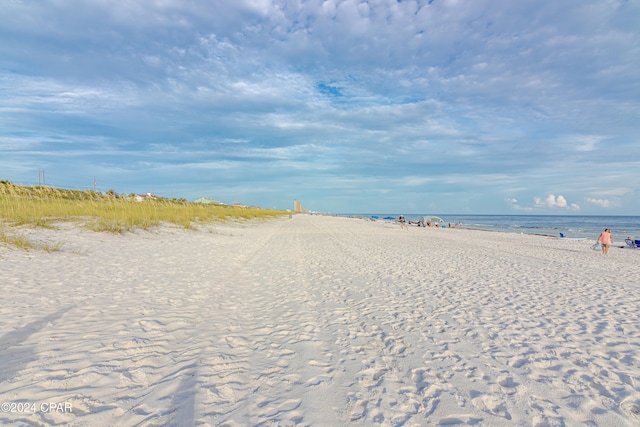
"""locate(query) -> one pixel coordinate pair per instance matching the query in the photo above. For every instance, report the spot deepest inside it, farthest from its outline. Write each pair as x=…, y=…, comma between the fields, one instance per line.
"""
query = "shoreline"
x=319, y=320
x=572, y=226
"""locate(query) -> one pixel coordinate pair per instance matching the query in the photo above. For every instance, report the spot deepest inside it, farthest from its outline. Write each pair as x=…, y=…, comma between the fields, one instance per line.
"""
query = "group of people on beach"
x=605, y=239
x=403, y=223
x=420, y=223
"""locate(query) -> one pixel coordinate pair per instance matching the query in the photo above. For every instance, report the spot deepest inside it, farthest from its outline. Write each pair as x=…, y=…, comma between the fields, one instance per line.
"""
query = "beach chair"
x=630, y=243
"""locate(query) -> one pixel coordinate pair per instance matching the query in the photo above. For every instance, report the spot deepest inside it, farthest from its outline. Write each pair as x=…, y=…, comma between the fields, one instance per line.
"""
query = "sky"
x=349, y=106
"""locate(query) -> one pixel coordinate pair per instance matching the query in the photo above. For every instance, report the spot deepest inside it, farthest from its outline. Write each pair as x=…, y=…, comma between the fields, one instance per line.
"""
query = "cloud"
x=552, y=202
x=515, y=206
x=587, y=142
x=460, y=102
x=523, y=208
x=605, y=203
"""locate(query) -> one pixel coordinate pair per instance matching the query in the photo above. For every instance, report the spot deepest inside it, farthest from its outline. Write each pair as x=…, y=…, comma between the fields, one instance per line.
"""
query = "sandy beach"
x=318, y=321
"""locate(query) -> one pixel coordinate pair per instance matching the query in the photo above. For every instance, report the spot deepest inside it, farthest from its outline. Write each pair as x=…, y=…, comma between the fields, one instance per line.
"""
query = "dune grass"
x=110, y=212
x=23, y=243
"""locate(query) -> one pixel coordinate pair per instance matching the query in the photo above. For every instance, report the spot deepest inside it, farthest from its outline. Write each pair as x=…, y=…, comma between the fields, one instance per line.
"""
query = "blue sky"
x=349, y=106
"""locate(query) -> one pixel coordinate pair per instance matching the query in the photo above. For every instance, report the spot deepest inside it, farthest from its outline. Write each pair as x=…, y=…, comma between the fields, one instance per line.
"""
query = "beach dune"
x=318, y=321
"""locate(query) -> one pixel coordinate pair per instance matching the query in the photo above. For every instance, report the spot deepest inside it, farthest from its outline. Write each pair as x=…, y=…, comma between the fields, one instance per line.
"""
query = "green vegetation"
x=41, y=206
x=23, y=243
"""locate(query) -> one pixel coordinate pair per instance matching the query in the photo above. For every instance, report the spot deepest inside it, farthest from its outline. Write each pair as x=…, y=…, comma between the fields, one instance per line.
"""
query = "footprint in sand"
x=545, y=413
x=491, y=405
x=459, y=419
x=151, y=325
x=507, y=384
x=632, y=405
x=372, y=377
x=235, y=341
x=359, y=409
x=418, y=377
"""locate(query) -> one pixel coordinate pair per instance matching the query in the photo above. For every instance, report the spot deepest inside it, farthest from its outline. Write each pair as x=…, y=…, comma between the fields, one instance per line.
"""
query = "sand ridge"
x=320, y=321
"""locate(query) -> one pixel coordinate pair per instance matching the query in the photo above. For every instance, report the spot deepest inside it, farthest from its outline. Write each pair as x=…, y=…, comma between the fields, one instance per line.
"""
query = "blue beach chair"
x=632, y=244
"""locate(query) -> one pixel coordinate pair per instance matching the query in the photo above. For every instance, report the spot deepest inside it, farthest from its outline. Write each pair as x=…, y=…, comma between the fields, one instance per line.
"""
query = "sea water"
x=587, y=226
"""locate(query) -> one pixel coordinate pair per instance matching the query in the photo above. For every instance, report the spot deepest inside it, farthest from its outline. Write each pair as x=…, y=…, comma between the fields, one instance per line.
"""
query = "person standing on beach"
x=402, y=222
x=605, y=240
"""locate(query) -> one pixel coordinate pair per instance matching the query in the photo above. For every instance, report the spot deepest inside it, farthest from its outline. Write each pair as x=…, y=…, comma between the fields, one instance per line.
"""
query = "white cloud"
x=436, y=100
x=605, y=203
x=523, y=208
x=551, y=201
x=587, y=142
x=515, y=206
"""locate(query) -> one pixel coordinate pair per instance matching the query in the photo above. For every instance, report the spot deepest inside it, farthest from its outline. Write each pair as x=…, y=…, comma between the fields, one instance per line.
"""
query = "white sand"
x=319, y=321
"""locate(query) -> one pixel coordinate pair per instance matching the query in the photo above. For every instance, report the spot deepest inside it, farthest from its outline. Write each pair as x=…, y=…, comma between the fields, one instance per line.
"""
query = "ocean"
x=587, y=226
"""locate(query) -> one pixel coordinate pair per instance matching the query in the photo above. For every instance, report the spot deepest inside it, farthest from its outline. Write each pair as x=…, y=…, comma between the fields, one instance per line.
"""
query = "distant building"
x=298, y=208
x=143, y=197
x=207, y=201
